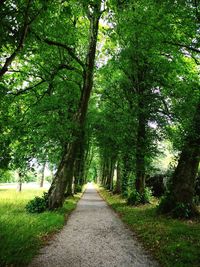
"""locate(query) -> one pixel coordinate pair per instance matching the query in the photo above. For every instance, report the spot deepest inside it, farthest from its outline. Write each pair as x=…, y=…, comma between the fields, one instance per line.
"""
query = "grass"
x=172, y=242
x=21, y=233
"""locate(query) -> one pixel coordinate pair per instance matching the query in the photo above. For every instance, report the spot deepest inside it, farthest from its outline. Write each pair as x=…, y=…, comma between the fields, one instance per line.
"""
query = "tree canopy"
x=96, y=87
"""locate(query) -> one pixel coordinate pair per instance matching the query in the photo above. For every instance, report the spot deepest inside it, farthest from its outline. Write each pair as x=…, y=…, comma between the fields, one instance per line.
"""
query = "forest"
x=102, y=91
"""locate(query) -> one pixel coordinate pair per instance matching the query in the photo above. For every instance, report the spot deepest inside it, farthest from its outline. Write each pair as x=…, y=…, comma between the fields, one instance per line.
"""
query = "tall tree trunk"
x=62, y=179
x=69, y=188
x=65, y=171
x=42, y=175
x=106, y=172
x=79, y=163
x=118, y=181
x=103, y=175
x=140, y=148
x=110, y=173
x=95, y=175
x=182, y=188
x=19, y=186
x=125, y=174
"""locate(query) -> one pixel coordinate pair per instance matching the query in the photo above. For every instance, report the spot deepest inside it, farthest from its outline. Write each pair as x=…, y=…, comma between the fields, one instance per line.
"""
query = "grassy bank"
x=172, y=242
x=22, y=234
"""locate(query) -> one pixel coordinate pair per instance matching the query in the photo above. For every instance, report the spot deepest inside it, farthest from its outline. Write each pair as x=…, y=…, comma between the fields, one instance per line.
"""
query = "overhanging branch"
x=26, y=89
x=184, y=46
x=66, y=47
x=10, y=59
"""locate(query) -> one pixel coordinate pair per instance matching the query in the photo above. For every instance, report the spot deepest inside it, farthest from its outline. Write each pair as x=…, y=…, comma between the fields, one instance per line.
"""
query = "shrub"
x=182, y=210
x=134, y=198
x=78, y=188
x=146, y=196
x=38, y=204
x=177, y=209
x=125, y=194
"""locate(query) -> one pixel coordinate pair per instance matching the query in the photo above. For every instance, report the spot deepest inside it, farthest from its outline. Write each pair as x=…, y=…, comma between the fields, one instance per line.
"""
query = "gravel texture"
x=94, y=236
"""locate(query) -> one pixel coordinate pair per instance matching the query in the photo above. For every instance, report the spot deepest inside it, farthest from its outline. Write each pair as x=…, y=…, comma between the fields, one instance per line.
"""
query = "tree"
x=180, y=199
x=145, y=90
x=64, y=173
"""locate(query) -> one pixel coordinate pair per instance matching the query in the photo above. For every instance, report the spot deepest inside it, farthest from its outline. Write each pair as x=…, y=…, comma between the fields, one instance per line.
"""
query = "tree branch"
x=66, y=47
x=10, y=59
x=184, y=46
x=26, y=89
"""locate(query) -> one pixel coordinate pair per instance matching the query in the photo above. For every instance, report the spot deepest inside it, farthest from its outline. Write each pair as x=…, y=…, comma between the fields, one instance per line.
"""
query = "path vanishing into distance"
x=93, y=236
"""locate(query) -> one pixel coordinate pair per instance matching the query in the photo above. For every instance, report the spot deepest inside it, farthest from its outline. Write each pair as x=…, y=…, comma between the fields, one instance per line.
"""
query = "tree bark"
x=182, y=189
x=19, y=186
x=110, y=173
x=125, y=174
x=103, y=174
x=62, y=179
x=42, y=175
x=80, y=163
x=183, y=181
x=140, y=148
x=118, y=182
x=65, y=171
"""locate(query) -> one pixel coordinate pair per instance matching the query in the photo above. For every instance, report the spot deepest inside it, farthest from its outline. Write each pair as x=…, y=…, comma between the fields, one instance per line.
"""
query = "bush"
x=125, y=194
x=177, y=209
x=38, y=204
x=182, y=210
x=146, y=197
x=134, y=198
x=78, y=188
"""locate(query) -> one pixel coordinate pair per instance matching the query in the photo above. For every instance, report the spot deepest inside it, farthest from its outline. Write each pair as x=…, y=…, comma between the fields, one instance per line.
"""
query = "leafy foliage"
x=176, y=209
x=136, y=198
x=164, y=236
x=146, y=86
x=79, y=188
x=38, y=204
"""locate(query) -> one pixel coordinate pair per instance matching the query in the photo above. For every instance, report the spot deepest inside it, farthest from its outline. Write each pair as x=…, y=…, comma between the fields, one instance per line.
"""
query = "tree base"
x=168, y=206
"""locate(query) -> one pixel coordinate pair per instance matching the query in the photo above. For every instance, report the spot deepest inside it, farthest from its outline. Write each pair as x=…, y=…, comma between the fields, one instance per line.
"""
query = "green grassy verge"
x=21, y=233
x=172, y=242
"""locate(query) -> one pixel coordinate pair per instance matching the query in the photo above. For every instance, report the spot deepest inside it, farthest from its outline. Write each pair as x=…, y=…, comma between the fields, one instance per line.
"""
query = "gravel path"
x=94, y=236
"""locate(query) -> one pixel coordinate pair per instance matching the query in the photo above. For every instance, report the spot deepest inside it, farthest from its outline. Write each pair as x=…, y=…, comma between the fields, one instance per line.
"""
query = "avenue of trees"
x=93, y=87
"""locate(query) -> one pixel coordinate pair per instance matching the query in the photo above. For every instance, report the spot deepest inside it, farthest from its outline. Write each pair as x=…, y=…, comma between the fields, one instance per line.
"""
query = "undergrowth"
x=174, y=243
